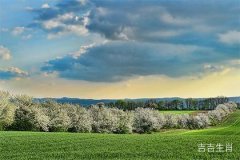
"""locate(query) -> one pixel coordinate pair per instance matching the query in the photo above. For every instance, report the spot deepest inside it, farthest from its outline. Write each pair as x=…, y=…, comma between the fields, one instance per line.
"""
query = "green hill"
x=174, y=144
x=231, y=126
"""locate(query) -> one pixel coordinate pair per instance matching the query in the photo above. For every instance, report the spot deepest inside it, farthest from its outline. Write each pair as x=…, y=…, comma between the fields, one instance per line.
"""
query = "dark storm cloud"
x=120, y=60
x=173, y=38
x=138, y=20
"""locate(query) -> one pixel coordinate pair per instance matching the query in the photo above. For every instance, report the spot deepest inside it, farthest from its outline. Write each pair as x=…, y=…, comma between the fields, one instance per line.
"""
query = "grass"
x=174, y=144
x=179, y=112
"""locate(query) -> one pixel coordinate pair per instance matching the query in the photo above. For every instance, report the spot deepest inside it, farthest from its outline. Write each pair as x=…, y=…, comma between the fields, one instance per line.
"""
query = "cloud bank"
x=144, y=38
x=117, y=61
x=12, y=72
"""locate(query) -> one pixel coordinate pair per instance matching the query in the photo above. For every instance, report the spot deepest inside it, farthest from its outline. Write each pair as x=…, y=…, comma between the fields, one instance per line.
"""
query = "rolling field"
x=179, y=112
x=173, y=144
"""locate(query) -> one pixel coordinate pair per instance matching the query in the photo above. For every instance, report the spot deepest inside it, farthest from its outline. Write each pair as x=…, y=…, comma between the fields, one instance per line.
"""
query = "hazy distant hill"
x=234, y=99
x=87, y=102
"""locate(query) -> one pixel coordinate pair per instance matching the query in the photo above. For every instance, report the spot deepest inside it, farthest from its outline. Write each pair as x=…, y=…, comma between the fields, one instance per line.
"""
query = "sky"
x=120, y=49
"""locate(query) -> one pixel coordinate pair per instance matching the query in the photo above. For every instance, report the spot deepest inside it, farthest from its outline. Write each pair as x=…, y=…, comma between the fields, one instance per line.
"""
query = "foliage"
x=170, y=121
x=80, y=120
x=124, y=121
x=183, y=121
x=7, y=110
x=103, y=120
x=221, y=111
x=147, y=120
x=175, y=104
x=24, y=119
x=22, y=113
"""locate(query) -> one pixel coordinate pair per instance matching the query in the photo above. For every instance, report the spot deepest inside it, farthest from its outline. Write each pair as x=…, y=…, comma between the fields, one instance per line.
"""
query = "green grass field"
x=179, y=112
x=173, y=144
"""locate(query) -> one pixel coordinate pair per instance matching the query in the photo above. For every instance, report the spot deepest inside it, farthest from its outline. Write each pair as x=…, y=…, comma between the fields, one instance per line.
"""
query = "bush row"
x=21, y=113
x=147, y=120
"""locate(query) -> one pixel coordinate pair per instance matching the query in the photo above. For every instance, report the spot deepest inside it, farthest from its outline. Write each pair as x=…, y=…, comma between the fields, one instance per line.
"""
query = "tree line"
x=21, y=113
x=176, y=104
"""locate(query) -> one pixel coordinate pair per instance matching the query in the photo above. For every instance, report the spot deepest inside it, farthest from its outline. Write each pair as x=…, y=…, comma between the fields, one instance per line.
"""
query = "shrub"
x=231, y=106
x=7, y=116
x=80, y=120
x=103, y=121
x=200, y=121
x=30, y=118
x=160, y=121
x=215, y=117
x=41, y=120
x=60, y=122
x=22, y=100
x=58, y=117
x=146, y=120
x=182, y=121
x=238, y=105
x=23, y=120
x=23, y=113
x=123, y=119
x=7, y=111
x=170, y=121
x=193, y=122
x=221, y=111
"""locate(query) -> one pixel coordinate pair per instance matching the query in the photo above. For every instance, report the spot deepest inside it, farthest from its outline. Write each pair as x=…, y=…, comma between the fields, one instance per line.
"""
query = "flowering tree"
x=146, y=120
x=23, y=113
x=7, y=110
x=81, y=120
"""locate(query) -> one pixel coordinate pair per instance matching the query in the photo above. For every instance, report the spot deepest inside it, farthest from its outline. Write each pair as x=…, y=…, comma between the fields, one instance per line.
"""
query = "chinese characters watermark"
x=218, y=148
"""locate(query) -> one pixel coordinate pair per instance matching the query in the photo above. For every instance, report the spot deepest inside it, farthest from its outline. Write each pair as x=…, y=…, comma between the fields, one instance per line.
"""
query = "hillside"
x=180, y=144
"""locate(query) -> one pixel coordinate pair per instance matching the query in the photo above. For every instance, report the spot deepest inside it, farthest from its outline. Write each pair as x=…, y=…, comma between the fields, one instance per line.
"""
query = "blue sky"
x=84, y=45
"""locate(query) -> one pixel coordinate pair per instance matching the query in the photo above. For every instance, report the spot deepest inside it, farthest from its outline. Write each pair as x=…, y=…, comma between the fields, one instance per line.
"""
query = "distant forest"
x=176, y=104
x=155, y=103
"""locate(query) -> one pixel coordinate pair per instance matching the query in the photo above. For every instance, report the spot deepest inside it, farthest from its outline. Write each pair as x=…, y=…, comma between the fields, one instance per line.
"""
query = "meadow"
x=179, y=111
x=171, y=144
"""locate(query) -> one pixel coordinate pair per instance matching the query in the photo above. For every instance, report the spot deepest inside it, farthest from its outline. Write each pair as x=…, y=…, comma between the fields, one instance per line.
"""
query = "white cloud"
x=50, y=24
x=213, y=68
x=79, y=29
x=45, y=6
x=230, y=37
x=12, y=72
x=5, y=53
x=66, y=16
x=26, y=37
x=82, y=50
x=18, y=30
x=58, y=22
x=18, y=71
